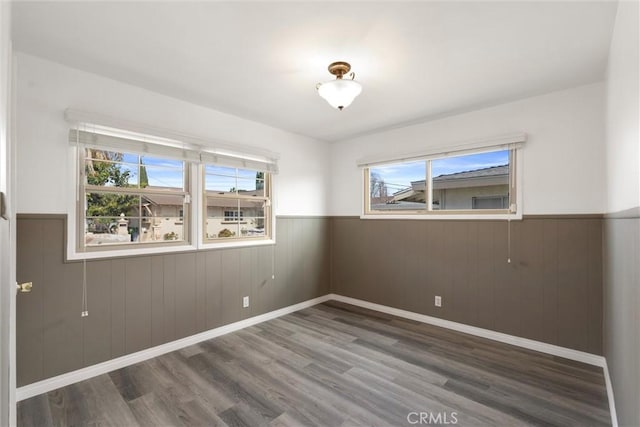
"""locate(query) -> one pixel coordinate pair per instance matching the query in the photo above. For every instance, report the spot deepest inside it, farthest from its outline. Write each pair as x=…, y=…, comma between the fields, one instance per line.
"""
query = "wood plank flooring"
x=331, y=365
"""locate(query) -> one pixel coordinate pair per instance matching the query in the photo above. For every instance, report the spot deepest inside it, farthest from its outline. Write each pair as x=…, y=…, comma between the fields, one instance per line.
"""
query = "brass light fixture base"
x=339, y=68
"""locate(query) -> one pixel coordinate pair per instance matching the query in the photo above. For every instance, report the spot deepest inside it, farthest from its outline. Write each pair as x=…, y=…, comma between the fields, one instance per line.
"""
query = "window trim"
x=228, y=155
x=515, y=183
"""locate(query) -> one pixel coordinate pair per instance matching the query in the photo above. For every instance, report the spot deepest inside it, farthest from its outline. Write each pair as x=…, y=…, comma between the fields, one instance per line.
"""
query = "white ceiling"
x=261, y=61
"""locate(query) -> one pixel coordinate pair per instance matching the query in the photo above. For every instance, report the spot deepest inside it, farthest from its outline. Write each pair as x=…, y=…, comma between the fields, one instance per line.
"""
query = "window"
x=132, y=192
x=480, y=181
x=131, y=199
x=237, y=203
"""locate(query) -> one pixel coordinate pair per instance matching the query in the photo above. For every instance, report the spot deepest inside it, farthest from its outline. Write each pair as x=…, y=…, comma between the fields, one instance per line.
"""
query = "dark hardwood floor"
x=335, y=364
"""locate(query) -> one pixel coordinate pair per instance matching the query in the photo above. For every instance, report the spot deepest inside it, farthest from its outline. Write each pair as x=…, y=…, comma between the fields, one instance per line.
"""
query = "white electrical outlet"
x=438, y=301
x=245, y=302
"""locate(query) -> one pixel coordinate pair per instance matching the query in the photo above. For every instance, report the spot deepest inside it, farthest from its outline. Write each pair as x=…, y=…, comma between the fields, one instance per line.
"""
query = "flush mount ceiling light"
x=340, y=93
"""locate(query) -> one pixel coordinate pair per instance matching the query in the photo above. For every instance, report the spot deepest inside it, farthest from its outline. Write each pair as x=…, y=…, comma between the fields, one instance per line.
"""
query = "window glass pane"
x=219, y=170
x=220, y=184
x=399, y=186
x=473, y=181
x=161, y=173
x=161, y=178
x=111, y=169
x=129, y=175
x=228, y=218
x=253, y=224
x=134, y=228
x=111, y=205
x=229, y=181
x=222, y=218
x=111, y=174
x=106, y=231
x=165, y=163
x=109, y=218
x=250, y=174
x=162, y=218
x=142, y=219
x=251, y=187
x=130, y=158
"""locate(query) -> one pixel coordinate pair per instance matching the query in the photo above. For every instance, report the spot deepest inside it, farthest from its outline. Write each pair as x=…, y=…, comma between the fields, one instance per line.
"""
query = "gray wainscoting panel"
x=551, y=291
x=96, y=335
x=185, y=295
x=138, y=302
x=622, y=312
x=213, y=292
x=29, y=312
x=118, y=307
x=61, y=306
x=157, y=300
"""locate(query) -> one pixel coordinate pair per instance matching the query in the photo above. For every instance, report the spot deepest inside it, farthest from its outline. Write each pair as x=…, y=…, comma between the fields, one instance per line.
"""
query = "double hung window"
x=236, y=202
x=132, y=199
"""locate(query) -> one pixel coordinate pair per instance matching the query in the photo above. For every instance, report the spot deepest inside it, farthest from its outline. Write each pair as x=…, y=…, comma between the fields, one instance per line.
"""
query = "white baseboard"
x=567, y=353
x=49, y=384
x=53, y=383
x=580, y=356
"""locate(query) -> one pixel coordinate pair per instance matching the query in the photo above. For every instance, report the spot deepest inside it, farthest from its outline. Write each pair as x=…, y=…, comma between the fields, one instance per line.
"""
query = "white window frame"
x=75, y=219
x=226, y=154
x=512, y=142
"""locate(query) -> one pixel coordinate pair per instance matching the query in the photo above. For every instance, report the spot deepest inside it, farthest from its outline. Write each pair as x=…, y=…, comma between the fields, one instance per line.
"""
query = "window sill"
x=237, y=243
x=117, y=253
x=461, y=216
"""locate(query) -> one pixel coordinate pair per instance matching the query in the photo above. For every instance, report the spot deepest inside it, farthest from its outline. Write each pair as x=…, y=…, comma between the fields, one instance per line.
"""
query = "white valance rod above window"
x=95, y=139
x=503, y=142
x=108, y=133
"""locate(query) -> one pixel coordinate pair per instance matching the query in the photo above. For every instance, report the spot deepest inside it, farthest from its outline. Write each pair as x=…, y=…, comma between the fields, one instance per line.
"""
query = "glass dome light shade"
x=340, y=93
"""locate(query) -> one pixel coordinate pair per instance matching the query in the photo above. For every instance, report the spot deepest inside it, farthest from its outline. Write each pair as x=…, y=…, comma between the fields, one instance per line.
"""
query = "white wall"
x=623, y=136
x=46, y=90
x=563, y=169
x=622, y=235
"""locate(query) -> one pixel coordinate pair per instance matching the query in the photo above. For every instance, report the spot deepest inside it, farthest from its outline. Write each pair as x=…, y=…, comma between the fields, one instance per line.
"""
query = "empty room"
x=319, y=213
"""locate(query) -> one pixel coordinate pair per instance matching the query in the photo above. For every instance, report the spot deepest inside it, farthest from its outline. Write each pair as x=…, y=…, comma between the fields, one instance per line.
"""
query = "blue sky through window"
x=399, y=176
x=160, y=172
x=469, y=162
